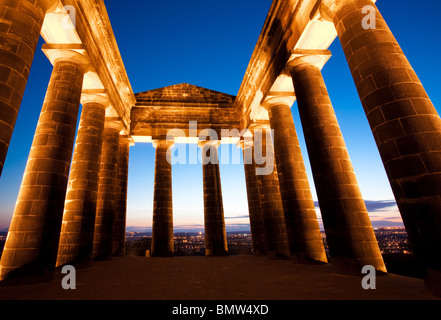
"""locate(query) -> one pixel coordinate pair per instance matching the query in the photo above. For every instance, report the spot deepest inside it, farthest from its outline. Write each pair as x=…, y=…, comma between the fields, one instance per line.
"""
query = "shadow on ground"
x=221, y=278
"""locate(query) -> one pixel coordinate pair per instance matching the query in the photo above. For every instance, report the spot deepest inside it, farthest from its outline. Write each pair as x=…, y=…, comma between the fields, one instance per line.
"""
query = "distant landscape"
x=393, y=243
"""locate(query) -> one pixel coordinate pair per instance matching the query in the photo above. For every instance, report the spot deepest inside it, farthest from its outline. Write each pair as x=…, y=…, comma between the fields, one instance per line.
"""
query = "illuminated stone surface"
x=405, y=125
x=119, y=226
x=349, y=232
x=254, y=207
x=404, y=122
x=106, y=202
x=22, y=21
x=276, y=238
x=215, y=234
x=32, y=242
x=162, y=227
x=302, y=227
x=76, y=238
x=160, y=110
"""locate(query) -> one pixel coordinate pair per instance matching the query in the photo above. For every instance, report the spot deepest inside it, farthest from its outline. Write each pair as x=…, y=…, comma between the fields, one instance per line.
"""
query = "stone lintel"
x=59, y=23
x=186, y=140
x=194, y=140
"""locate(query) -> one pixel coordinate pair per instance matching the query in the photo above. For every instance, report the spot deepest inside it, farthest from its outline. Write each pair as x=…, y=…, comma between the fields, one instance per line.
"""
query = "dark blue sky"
x=209, y=44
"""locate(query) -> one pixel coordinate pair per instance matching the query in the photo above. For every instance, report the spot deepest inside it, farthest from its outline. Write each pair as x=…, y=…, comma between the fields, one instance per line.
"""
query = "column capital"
x=277, y=100
x=162, y=143
x=243, y=144
x=247, y=140
x=328, y=8
x=75, y=53
x=95, y=97
x=260, y=125
x=111, y=123
x=127, y=139
x=317, y=58
x=210, y=143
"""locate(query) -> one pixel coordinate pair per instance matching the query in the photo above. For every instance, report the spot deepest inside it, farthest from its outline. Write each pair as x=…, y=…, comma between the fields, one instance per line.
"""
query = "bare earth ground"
x=223, y=278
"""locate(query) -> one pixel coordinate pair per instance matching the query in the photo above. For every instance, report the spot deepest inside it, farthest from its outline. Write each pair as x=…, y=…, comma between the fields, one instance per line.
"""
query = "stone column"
x=105, y=212
x=76, y=238
x=304, y=236
x=215, y=233
x=119, y=227
x=254, y=207
x=404, y=122
x=22, y=21
x=162, y=228
x=276, y=238
x=32, y=242
x=349, y=233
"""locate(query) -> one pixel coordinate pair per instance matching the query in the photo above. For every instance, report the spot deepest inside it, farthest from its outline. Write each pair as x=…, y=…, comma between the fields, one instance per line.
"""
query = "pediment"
x=184, y=94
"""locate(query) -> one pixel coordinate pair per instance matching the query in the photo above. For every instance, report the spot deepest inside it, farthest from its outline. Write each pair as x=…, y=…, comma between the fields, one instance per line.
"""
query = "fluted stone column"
x=105, y=212
x=349, y=233
x=32, y=242
x=162, y=228
x=119, y=227
x=215, y=233
x=254, y=207
x=22, y=21
x=76, y=238
x=404, y=122
x=304, y=236
x=276, y=238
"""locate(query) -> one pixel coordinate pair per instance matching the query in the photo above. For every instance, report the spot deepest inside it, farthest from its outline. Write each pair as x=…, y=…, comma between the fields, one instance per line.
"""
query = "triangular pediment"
x=184, y=93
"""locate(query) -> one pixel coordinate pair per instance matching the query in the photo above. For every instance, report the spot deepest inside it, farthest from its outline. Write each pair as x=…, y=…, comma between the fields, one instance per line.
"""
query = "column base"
x=119, y=253
x=103, y=258
x=78, y=264
x=272, y=254
x=28, y=274
x=165, y=254
x=433, y=282
x=304, y=259
x=211, y=253
x=162, y=256
x=259, y=253
x=349, y=266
